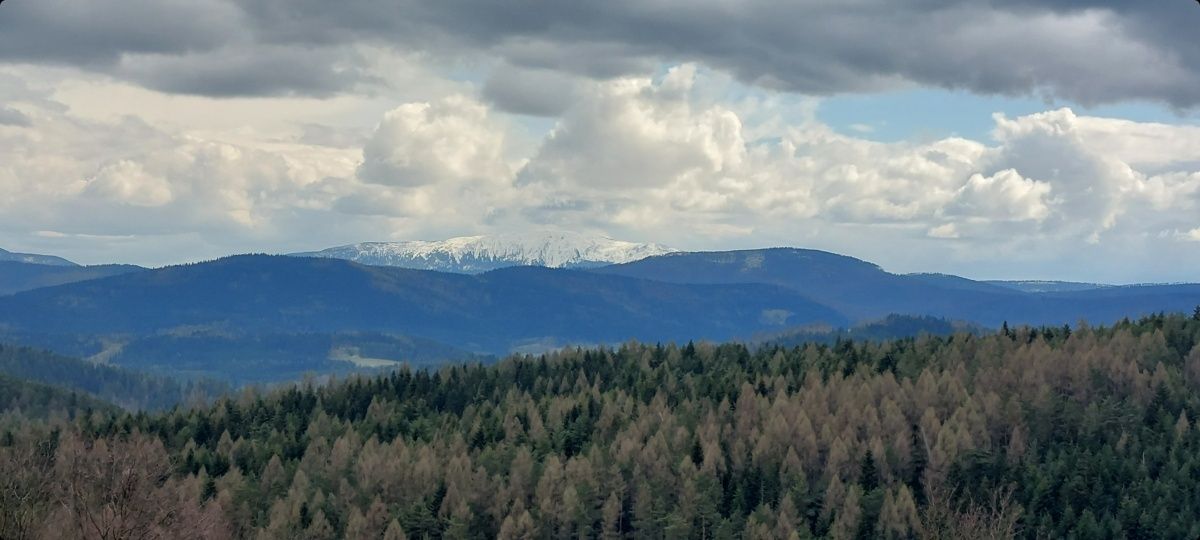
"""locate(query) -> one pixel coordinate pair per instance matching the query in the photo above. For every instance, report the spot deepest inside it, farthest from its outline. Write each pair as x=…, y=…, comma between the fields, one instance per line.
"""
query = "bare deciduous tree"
x=948, y=517
x=25, y=487
x=121, y=490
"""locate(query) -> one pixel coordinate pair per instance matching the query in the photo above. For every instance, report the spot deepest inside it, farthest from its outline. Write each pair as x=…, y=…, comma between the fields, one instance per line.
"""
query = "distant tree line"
x=1027, y=432
x=128, y=389
x=24, y=399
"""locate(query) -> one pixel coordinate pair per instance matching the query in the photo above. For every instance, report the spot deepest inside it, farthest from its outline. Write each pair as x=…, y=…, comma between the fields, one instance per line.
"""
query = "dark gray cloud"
x=534, y=92
x=1090, y=51
x=181, y=46
x=98, y=34
x=13, y=117
x=258, y=71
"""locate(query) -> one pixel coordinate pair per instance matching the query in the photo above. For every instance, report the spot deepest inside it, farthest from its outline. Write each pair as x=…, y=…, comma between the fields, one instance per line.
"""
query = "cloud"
x=633, y=133
x=127, y=182
x=123, y=177
x=643, y=155
x=947, y=230
x=1061, y=48
x=453, y=140
x=1106, y=173
x=13, y=117
x=263, y=70
x=535, y=92
x=200, y=48
x=660, y=158
x=83, y=33
x=322, y=135
x=1004, y=196
x=668, y=158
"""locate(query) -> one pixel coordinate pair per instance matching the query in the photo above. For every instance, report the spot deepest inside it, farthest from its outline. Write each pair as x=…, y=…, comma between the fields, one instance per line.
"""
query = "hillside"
x=31, y=258
x=494, y=312
x=17, y=277
x=889, y=328
x=1041, y=286
x=258, y=318
x=132, y=390
x=36, y=400
x=252, y=358
x=857, y=288
x=864, y=291
x=1029, y=433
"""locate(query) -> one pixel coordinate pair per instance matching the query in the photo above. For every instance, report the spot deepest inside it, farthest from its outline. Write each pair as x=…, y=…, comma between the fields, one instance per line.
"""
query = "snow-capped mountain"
x=474, y=254
x=30, y=258
x=1036, y=286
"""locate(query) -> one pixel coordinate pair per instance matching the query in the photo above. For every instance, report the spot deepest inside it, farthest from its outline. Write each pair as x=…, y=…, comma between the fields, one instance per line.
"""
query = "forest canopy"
x=1028, y=432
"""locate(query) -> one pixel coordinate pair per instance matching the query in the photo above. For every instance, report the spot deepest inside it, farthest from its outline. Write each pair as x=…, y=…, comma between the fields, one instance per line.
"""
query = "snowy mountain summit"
x=475, y=254
x=29, y=258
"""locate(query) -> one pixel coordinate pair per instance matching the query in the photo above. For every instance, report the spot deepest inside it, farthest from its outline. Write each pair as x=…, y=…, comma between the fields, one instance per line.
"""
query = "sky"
x=1056, y=139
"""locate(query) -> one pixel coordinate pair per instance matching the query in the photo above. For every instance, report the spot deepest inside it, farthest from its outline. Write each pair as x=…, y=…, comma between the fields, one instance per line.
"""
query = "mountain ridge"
x=477, y=254
x=286, y=315
x=489, y=312
x=33, y=258
x=16, y=277
x=863, y=291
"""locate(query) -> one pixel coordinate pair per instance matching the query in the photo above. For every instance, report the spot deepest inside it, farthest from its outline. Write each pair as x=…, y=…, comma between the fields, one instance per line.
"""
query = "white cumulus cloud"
x=1004, y=196
x=670, y=158
x=451, y=140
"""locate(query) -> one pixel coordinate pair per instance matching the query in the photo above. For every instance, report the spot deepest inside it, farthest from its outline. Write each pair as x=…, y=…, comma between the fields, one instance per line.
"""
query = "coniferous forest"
x=1022, y=433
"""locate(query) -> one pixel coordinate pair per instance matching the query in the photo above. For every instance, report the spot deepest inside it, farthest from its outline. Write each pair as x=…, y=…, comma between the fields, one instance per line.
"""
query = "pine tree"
x=394, y=532
x=611, y=512
x=356, y=526
x=846, y=521
x=868, y=476
x=518, y=528
x=898, y=515
x=319, y=528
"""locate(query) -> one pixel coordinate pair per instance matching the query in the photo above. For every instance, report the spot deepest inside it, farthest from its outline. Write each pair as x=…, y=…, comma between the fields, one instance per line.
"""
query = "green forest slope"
x=128, y=389
x=1046, y=433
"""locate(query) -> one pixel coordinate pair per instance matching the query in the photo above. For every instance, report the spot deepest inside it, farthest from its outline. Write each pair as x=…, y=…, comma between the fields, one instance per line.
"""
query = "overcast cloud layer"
x=163, y=131
x=1089, y=51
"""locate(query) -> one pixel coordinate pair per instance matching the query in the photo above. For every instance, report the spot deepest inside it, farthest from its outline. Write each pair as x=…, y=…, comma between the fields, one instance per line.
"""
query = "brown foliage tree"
x=120, y=489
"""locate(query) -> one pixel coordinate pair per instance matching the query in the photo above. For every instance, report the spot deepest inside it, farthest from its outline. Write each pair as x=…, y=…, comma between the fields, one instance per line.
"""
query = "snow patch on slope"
x=30, y=258
x=473, y=254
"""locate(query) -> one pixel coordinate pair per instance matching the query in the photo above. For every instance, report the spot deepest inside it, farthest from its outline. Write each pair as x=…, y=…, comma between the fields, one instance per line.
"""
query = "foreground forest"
x=1032, y=433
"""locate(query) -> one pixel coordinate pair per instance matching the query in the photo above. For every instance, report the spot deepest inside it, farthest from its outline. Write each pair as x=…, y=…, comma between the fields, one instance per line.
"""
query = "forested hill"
x=493, y=312
x=1031, y=433
x=864, y=291
x=134, y=391
x=17, y=277
x=35, y=400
